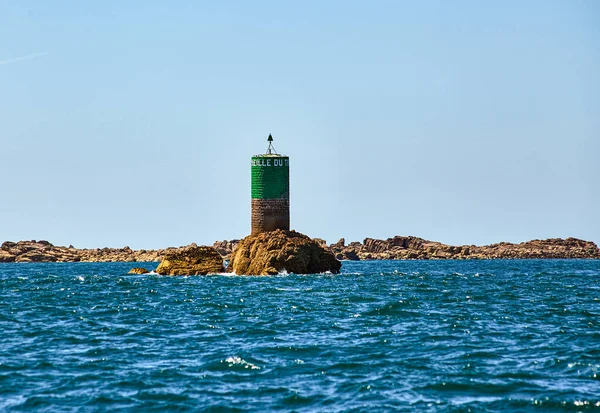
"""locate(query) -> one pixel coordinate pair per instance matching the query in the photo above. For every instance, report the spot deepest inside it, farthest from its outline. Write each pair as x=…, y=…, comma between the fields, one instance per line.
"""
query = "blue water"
x=481, y=336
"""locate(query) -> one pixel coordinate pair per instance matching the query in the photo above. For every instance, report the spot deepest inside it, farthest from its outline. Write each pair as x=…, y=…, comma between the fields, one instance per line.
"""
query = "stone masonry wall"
x=270, y=214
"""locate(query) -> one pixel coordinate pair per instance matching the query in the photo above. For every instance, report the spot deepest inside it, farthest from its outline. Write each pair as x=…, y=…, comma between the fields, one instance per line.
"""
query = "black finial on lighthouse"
x=271, y=150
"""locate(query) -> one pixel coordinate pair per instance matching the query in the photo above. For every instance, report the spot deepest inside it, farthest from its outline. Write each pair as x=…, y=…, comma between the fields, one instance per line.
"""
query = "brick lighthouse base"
x=270, y=214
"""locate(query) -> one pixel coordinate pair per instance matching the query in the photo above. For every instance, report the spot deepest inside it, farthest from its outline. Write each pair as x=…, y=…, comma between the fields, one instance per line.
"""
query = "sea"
x=422, y=336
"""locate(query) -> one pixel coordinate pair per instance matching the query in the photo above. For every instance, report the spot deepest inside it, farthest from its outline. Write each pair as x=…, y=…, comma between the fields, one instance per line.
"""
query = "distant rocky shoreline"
x=396, y=248
x=414, y=248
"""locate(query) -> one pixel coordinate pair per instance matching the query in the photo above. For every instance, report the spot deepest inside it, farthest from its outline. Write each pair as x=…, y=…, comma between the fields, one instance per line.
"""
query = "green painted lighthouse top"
x=270, y=174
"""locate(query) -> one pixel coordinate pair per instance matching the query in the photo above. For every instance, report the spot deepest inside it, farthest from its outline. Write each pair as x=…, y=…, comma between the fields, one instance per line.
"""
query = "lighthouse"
x=270, y=191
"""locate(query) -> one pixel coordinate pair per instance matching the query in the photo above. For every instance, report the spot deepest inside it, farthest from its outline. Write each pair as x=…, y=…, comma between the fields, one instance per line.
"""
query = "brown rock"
x=396, y=248
x=226, y=248
x=269, y=253
x=6, y=256
x=44, y=251
x=348, y=252
x=352, y=255
x=400, y=248
x=191, y=261
x=6, y=246
x=138, y=270
x=321, y=242
x=36, y=256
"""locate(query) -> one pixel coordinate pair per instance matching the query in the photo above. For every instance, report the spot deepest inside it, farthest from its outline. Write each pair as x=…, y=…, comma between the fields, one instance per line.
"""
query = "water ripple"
x=427, y=336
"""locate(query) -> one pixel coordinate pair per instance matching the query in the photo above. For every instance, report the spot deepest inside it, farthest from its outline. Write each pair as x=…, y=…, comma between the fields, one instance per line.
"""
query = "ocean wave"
x=427, y=336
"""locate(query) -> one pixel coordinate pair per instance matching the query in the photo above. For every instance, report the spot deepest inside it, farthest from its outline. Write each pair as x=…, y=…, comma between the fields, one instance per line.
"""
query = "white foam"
x=240, y=361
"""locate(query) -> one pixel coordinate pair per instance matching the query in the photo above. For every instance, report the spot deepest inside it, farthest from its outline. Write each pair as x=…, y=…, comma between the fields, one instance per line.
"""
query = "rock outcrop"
x=44, y=251
x=138, y=270
x=36, y=251
x=269, y=253
x=406, y=248
x=396, y=248
x=192, y=260
x=226, y=248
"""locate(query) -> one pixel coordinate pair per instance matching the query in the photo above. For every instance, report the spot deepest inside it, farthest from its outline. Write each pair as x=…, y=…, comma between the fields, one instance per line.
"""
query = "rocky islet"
x=269, y=260
x=44, y=251
x=192, y=260
x=269, y=253
x=414, y=248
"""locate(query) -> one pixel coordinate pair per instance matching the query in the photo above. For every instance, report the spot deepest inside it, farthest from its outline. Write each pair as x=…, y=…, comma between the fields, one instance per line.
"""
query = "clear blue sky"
x=133, y=122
